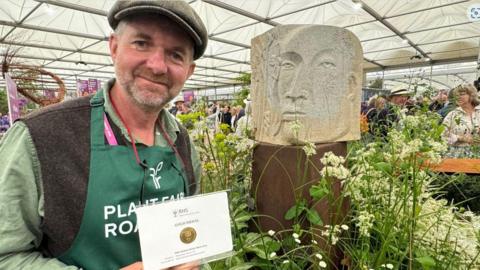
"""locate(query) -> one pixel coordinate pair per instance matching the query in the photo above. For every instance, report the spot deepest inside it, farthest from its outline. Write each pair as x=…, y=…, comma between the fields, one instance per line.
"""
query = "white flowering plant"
x=226, y=162
x=396, y=219
x=399, y=220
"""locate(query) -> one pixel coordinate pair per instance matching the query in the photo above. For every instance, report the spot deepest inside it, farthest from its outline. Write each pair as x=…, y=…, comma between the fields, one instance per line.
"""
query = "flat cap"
x=400, y=91
x=179, y=98
x=178, y=11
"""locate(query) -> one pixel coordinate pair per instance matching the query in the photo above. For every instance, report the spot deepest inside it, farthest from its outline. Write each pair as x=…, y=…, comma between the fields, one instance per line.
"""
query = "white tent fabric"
x=69, y=37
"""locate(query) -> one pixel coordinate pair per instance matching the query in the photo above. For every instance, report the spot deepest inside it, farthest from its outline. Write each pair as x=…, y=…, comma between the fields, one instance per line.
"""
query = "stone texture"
x=309, y=73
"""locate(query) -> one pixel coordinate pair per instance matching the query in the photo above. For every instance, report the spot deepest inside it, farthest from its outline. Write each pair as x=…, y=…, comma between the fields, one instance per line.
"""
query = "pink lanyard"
x=113, y=141
x=128, y=130
x=108, y=132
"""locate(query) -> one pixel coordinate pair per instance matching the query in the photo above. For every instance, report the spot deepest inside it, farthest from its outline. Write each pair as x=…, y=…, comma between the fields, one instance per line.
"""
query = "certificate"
x=186, y=230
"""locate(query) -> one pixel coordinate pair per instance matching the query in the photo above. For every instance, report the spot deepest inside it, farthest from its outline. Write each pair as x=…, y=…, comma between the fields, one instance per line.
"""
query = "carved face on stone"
x=302, y=79
x=311, y=74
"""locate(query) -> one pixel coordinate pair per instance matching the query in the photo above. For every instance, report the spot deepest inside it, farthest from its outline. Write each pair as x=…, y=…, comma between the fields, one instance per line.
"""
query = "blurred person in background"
x=244, y=124
x=226, y=116
x=439, y=101
x=397, y=101
x=234, y=118
x=462, y=124
x=450, y=105
x=177, y=105
x=4, y=123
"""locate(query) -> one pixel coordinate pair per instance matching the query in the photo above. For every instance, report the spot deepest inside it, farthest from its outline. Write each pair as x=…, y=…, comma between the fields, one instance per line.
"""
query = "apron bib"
x=108, y=237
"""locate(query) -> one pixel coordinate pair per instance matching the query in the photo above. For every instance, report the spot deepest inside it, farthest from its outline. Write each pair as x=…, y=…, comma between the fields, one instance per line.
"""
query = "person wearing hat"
x=399, y=96
x=178, y=103
x=397, y=100
x=73, y=173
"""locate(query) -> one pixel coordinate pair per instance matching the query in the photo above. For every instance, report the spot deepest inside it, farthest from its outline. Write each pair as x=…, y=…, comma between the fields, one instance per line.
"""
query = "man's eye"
x=177, y=56
x=140, y=44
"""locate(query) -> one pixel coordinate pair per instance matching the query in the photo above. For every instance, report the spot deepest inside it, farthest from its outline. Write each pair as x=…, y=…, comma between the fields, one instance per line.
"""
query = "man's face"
x=153, y=58
x=443, y=97
x=399, y=100
x=179, y=105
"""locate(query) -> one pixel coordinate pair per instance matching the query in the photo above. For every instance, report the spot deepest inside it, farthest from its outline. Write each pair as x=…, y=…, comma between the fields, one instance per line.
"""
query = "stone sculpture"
x=307, y=74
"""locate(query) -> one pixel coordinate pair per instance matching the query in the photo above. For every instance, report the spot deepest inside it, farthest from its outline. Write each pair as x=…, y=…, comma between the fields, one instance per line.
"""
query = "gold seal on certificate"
x=188, y=235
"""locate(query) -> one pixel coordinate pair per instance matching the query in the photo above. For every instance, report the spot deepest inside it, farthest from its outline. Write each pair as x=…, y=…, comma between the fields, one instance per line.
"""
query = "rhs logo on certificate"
x=176, y=232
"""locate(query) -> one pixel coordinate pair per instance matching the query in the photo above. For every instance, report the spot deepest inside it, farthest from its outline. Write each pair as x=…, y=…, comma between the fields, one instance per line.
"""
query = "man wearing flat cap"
x=399, y=96
x=72, y=174
x=397, y=99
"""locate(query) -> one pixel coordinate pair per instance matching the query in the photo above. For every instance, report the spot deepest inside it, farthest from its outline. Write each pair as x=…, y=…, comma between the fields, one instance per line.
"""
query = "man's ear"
x=113, y=45
x=191, y=69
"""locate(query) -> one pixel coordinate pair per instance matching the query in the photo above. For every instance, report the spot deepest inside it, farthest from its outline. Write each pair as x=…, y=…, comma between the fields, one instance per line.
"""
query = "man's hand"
x=135, y=266
x=467, y=138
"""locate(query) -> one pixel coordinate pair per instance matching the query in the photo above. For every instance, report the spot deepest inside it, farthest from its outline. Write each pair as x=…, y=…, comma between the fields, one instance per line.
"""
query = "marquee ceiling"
x=69, y=37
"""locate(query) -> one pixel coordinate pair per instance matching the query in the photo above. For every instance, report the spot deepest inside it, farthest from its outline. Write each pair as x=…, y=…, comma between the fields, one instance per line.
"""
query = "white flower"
x=273, y=255
x=295, y=235
x=314, y=242
x=331, y=159
x=339, y=172
x=319, y=256
x=309, y=149
x=389, y=266
x=334, y=239
x=322, y=264
x=200, y=125
x=439, y=147
x=286, y=261
x=411, y=120
x=298, y=241
x=365, y=223
x=271, y=232
x=244, y=144
x=295, y=126
x=344, y=227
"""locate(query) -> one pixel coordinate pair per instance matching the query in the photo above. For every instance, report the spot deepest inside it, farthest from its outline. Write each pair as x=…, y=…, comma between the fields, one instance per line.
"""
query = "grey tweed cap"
x=177, y=10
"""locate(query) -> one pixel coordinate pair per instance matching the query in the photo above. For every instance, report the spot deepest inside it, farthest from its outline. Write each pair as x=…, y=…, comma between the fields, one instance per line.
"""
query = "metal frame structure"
x=70, y=37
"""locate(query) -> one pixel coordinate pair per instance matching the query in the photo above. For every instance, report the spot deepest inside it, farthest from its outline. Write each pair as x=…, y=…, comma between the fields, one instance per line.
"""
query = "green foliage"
x=188, y=120
x=225, y=128
x=377, y=83
x=461, y=189
x=240, y=96
x=245, y=79
x=3, y=101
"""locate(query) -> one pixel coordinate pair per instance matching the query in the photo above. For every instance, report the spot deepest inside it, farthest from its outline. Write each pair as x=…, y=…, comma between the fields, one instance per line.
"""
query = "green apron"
x=108, y=237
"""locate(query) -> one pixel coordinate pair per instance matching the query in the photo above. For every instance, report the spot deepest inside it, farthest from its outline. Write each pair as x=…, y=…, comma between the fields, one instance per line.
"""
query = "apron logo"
x=155, y=178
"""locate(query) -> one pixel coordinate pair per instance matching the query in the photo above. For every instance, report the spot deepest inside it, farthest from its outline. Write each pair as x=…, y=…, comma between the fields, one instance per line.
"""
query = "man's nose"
x=156, y=62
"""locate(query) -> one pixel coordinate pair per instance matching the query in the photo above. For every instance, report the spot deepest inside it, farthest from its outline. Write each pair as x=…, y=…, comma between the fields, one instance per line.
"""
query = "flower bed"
x=397, y=219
